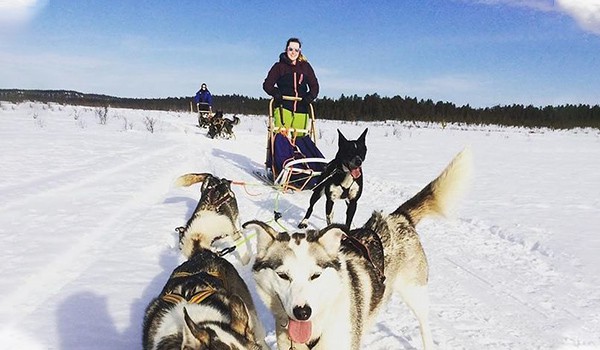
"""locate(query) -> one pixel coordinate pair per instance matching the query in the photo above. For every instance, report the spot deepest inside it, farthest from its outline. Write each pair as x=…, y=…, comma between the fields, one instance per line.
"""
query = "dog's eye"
x=284, y=276
x=315, y=276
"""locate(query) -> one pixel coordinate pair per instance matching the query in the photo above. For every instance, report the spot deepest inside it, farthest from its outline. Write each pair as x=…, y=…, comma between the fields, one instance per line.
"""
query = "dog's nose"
x=302, y=313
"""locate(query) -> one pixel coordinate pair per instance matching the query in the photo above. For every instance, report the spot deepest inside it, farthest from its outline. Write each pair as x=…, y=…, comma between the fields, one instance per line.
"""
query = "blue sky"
x=477, y=52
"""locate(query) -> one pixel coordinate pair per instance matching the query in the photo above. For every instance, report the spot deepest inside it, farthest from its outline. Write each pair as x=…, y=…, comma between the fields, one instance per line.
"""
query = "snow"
x=88, y=213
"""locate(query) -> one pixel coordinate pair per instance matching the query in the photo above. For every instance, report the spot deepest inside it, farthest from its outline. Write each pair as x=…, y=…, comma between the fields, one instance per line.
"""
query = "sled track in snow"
x=83, y=178
x=522, y=283
x=76, y=259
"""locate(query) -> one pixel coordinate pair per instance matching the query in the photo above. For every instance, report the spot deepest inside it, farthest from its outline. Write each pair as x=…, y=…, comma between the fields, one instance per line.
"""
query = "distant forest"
x=349, y=108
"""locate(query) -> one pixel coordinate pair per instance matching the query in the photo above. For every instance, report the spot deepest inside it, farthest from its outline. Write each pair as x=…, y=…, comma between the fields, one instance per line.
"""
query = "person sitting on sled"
x=292, y=76
x=203, y=99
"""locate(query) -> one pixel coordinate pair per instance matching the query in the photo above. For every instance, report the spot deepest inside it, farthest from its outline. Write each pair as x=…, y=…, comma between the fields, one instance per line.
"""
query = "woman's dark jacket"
x=287, y=79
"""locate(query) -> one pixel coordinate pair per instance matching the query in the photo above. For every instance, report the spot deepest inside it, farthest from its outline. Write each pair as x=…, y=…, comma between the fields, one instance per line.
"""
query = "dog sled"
x=205, y=114
x=293, y=161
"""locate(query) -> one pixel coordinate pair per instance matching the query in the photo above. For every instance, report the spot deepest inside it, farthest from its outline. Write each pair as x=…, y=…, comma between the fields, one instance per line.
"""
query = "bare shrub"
x=127, y=125
x=150, y=124
x=102, y=114
x=76, y=114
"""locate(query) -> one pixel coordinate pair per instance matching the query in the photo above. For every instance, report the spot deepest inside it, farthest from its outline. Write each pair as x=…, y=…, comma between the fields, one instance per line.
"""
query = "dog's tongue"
x=355, y=173
x=300, y=331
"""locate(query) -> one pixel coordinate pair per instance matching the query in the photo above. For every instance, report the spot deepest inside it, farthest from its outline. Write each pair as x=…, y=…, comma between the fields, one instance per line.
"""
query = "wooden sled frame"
x=291, y=168
x=204, y=116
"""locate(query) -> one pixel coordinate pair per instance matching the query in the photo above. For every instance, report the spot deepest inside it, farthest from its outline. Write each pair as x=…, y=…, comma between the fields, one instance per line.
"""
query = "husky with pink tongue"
x=341, y=179
x=325, y=287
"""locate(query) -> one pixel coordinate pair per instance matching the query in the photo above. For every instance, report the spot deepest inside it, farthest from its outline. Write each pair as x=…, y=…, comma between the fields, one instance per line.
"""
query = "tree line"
x=373, y=108
x=348, y=108
x=228, y=103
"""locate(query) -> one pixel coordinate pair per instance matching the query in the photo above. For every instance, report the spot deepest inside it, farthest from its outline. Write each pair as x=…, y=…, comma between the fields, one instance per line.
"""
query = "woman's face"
x=293, y=51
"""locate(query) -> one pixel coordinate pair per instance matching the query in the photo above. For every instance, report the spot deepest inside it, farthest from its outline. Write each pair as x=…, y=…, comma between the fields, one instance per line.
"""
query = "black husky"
x=342, y=179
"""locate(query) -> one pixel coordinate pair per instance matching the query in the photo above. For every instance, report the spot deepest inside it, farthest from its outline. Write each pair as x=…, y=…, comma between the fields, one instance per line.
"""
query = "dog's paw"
x=302, y=224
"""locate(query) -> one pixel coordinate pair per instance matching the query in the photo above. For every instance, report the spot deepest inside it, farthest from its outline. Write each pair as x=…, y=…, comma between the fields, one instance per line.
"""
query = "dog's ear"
x=363, y=136
x=193, y=337
x=240, y=319
x=341, y=138
x=209, y=180
x=331, y=238
x=266, y=234
x=230, y=191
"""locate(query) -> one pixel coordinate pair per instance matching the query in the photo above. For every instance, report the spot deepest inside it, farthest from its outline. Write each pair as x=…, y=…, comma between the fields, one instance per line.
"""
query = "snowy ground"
x=88, y=212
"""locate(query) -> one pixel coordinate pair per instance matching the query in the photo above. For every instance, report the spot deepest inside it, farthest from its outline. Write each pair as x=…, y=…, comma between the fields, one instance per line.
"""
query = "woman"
x=292, y=76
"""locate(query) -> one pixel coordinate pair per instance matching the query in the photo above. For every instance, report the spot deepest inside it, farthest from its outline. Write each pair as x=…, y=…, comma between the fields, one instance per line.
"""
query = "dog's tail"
x=190, y=179
x=440, y=195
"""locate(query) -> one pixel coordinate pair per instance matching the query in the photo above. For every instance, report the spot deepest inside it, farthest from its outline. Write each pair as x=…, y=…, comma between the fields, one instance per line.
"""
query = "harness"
x=213, y=201
x=346, y=190
x=364, y=250
x=221, y=200
x=196, y=298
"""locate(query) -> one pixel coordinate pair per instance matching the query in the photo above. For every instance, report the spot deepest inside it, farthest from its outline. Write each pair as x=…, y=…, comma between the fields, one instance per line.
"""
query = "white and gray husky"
x=204, y=305
x=325, y=287
x=215, y=218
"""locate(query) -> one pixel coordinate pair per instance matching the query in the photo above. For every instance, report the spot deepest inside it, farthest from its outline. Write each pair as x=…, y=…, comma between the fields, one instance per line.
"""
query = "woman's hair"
x=293, y=40
x=301, y=57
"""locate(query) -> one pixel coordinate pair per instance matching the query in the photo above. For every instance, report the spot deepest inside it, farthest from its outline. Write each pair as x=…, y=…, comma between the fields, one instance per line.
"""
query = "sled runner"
x=293, y=160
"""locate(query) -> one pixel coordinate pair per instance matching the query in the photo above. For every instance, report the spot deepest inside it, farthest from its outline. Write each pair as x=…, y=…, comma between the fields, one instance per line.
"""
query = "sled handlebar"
x=291, y=98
